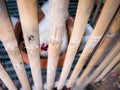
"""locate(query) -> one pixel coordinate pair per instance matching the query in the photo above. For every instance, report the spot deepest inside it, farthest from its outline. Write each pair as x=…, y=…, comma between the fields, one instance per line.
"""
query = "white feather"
x=86, y=36
x=44, y=30
x=89, y=29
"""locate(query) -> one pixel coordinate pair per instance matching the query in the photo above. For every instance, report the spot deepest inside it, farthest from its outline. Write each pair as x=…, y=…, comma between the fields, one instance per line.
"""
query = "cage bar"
x=6, y=79
x=112, y=31
x=83, y=11
x=109, y=67
x=99, y=30
x=58, y=16
x=29, y=20
x=9, y=41
x=104, y=35
x=111, y=55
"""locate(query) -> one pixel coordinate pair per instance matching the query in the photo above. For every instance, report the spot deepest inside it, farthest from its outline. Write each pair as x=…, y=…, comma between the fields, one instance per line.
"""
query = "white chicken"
x=44, y=30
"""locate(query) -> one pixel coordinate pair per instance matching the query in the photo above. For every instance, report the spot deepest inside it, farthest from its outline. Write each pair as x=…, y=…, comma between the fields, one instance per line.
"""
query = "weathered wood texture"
x=83, y=11
x=9, y=41
x=58, y=16
x=111, y=55
x=115, y=61
x=6, y=79
x=29, y=20
x=98, y=32
x=112, y=31
x=106, y=25
x=111, y=81
x=116, y=70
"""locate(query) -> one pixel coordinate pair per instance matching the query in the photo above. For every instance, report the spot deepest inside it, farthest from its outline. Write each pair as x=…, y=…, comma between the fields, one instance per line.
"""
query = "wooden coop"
x=74, y=69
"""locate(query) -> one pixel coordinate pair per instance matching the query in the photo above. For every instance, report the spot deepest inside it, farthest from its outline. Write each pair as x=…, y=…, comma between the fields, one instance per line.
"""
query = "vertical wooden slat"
x=29, y=20
x=109, y=67
x=9, y=41
x=6, y=79
x=98, y=32
x=58, y=16
x=111, y=55
x=83, y=11
x=113, y=29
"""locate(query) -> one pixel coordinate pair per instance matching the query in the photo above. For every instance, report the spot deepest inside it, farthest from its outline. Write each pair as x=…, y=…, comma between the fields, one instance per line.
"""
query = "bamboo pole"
x=58, y=16
x=83, y=11
x=29, y=20
x=113, y=29
x=116, y=69
x=6, y=79
x=94, y=18
x=9, y=41
x=98, y=32
x=111, y=55
x=109, y=67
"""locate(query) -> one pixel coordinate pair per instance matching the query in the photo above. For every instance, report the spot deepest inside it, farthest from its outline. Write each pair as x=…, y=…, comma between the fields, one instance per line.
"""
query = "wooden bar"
x=111, y=80
x=109, y=67
x=83, y=11
x=29, y=20
x=58, y=16
x=99, y=30
x=6, y=79
x=55, y=84
x=9, y=41
x=116, y=69
x=111, y=55
x=112, y=31
x=94, y=18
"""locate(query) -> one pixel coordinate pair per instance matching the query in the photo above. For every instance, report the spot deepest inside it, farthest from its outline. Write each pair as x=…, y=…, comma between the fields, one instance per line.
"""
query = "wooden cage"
x=102, y=48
